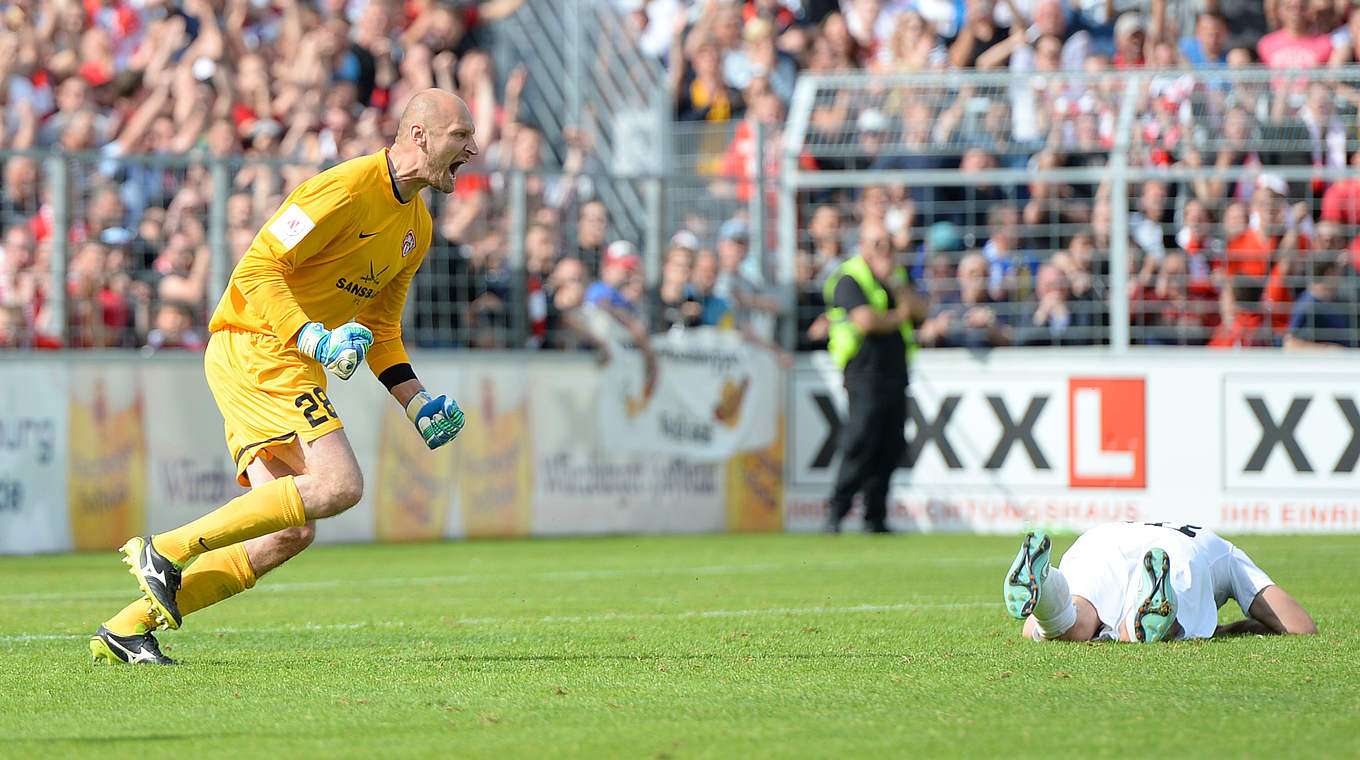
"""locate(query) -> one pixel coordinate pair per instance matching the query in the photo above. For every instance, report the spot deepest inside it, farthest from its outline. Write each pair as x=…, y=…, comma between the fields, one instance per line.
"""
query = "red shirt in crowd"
x=1279, y=294
x=1197, y=309
x=740, y=154
x=1120, y=62
x=1244, y=329
x=1249, y=254
x=783, y=17
x=1341, y=202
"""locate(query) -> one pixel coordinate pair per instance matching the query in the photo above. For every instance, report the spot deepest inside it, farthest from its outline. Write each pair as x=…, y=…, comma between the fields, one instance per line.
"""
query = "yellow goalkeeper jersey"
x=341, y=247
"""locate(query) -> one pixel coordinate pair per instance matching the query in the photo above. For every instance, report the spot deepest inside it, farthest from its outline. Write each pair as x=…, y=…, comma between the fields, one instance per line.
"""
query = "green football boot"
x=1022, y=584
x=1156, y=615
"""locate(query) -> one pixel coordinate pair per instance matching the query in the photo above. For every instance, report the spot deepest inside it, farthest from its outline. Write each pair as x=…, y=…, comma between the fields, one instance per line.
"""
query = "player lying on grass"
x=1144, y=582
x=321, y=289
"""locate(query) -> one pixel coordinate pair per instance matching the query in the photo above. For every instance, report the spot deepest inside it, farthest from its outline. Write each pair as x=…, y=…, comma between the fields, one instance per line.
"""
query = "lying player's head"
x=439, y=125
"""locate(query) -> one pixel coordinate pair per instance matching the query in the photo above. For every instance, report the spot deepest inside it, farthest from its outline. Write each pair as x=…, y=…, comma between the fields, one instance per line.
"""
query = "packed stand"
x=1227, y=258
x=280, y=89
x=139, y=100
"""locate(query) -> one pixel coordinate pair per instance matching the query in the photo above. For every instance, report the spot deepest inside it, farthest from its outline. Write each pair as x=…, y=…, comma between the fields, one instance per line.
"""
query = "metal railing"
x=141, y=234
x=956, y=162
x=586, y=72
x=1095, y=215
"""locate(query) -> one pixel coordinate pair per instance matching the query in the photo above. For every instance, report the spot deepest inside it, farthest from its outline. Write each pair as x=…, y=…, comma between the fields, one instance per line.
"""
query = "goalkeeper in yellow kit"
x=321, y=289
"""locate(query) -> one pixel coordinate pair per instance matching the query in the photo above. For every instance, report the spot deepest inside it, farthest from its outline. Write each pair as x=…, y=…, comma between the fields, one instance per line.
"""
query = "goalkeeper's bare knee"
x=268, y=552
x=332, y=481
x=327, y=494
x=292, y=541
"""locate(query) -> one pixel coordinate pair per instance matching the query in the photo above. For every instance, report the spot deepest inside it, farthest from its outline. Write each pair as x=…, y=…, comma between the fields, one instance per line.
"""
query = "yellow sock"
x=264, y=509
x=214, y=576
x=132, y=619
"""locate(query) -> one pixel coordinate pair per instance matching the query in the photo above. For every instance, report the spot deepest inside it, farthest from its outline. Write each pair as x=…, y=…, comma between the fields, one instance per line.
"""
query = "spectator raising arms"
x=144, y=100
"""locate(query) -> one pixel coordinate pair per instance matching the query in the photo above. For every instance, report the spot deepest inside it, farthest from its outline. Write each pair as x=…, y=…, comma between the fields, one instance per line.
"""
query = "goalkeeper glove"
x=437, y=419
x=339, y=350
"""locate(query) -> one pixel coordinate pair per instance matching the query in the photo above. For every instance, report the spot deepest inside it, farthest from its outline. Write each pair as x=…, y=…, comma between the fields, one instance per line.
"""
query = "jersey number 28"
x=311, y=403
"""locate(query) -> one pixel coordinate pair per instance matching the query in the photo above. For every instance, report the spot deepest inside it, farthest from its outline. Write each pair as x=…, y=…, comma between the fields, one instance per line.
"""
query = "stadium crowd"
x=1225, y=258
x=281, y=88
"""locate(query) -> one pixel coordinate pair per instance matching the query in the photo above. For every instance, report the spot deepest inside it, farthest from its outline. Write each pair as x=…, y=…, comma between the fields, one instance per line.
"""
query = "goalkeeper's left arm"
x=437, y=418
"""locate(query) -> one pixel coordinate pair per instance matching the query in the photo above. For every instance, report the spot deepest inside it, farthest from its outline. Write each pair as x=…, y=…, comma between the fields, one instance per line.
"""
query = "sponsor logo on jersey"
x=408, y=243
x=354, y=288
x=371, y=277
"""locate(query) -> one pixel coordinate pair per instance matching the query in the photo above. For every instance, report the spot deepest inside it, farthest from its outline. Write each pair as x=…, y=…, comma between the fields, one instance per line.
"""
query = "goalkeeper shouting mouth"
x=320, y=290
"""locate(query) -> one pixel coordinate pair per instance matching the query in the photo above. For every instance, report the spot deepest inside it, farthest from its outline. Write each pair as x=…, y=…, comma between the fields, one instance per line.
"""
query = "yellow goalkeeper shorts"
x=267, y=393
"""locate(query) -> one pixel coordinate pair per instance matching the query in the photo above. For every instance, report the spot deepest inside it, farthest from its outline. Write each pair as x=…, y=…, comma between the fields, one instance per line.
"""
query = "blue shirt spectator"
x=617, y=267
x=715, y=308
x=1209, y=44
x=703, y=278
x=601, y=293
x=1319, y=317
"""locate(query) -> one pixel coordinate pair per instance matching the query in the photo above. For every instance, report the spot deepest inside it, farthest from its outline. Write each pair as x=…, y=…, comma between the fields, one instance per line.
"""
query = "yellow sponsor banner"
x=106, y=471
x=755, y=487
x=414, y=483
x=495, y=468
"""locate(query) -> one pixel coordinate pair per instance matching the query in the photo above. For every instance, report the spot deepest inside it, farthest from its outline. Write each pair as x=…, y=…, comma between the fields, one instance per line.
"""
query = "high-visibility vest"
x=845, y=337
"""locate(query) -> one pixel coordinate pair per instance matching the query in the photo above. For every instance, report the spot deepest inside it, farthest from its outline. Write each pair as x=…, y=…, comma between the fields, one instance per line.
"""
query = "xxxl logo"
x=923, y=431
x=969, y=429
x=1281, y=434
x=1107, y=433
x=1284, y=434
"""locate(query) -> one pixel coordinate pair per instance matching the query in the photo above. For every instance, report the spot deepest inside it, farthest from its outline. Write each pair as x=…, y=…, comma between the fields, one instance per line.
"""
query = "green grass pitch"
x=665, y=647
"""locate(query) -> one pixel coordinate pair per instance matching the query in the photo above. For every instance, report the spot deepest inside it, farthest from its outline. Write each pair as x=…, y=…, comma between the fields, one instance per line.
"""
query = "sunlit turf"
x=691, y=646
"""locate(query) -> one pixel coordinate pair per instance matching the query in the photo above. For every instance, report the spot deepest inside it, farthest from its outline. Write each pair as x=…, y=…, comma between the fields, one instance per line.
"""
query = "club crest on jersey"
x=408, y=243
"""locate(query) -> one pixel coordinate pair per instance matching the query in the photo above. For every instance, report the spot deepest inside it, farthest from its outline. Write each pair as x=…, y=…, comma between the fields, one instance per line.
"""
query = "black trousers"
x=872, y=444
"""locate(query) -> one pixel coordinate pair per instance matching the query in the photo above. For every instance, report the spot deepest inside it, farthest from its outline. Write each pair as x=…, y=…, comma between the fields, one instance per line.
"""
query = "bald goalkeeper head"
x=434, y=138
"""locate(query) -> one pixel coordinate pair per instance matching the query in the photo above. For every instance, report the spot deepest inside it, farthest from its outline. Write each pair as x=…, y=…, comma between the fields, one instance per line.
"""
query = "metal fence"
x=119, y=253
x=587, y=80
x=145, y=246
x=1168, y=207
x=1160, y=208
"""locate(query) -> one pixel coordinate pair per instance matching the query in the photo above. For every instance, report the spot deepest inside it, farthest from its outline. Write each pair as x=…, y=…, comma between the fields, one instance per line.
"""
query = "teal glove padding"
x=339, y=350
x=437, y=419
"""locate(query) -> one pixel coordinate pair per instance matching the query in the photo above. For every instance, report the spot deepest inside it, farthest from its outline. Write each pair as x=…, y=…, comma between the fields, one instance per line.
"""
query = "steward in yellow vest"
x=844, y=336
x=870, y=307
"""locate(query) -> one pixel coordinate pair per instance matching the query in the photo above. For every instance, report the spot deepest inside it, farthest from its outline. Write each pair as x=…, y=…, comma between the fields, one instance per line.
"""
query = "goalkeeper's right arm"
x=340, y=350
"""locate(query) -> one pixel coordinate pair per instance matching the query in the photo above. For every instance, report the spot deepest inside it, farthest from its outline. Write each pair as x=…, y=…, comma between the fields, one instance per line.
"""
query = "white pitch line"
x=729, y=613
x=549, y=619
x=446, y=580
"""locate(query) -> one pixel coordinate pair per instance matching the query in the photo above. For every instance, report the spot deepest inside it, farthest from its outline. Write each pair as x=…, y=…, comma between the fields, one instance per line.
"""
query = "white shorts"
x=1103, y=567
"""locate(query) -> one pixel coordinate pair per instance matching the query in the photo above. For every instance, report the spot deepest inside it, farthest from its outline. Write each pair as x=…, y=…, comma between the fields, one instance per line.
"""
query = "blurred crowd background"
x=144, y=143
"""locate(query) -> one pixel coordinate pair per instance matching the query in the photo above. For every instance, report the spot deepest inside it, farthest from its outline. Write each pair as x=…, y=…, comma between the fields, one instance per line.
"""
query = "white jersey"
x=1102, y=566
